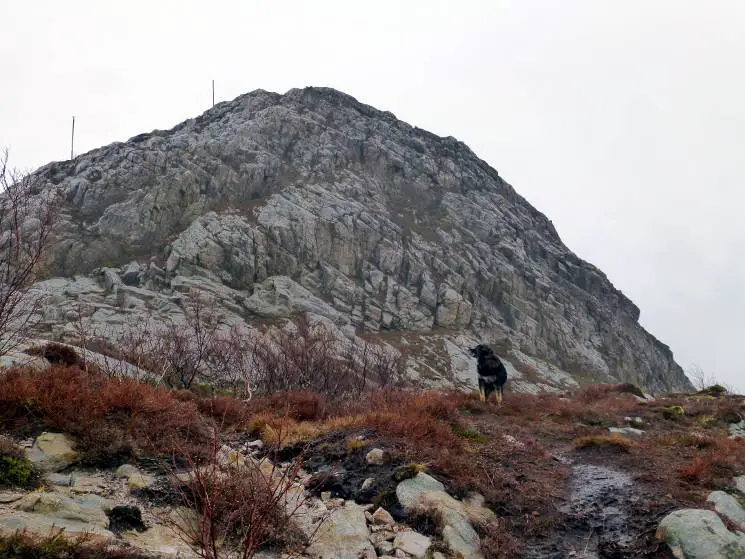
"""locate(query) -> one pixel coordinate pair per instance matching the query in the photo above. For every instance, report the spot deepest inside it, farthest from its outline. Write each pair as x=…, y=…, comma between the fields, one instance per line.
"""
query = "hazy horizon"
x=620, y=123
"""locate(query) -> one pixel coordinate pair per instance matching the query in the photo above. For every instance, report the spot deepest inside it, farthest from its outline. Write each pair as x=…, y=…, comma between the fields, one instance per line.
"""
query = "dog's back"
x=492, y=370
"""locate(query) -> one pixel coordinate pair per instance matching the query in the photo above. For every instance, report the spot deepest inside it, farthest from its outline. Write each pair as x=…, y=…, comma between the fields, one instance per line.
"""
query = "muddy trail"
x=604, y=510
x=604, y=514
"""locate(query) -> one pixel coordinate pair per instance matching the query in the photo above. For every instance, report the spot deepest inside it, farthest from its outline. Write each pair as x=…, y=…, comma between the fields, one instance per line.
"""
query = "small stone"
x=258, y=444
x=376, y=457
x=383, y=534
x=637, y=422
x=325, y=496
x=382, y=516
x=413, y=543
x=367, y=484
x=438, y=555
x=136, y=480
x=384, y=547
x=626, y=431
x=369, y=517
x=64, y=480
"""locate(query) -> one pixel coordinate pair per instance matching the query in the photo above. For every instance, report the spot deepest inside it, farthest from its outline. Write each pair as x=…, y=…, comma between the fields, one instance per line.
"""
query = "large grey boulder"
x=53, y=452
x=42, y=525
x=700, y=534
x=84, y=508
x=343, y=535
x=425, y=493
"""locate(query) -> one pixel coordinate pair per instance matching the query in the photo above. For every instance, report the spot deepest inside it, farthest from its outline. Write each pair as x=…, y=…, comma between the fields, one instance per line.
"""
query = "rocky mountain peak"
x=312, y=202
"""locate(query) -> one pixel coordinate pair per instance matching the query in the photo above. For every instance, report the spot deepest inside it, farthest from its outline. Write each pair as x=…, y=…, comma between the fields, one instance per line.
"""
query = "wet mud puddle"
x=598, y=520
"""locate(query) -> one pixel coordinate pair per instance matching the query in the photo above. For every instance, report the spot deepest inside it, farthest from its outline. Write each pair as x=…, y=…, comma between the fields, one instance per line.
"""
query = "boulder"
x=7, y=497
x=132, y=274
x=700, y=534
x=42, y=525
x=737, y=430
x=88, y=509
x=53, y=452
x=412, y=543
x=409, y=492
x=740, y=484
x=728, y=507
x=423, y=492
x=343, y=535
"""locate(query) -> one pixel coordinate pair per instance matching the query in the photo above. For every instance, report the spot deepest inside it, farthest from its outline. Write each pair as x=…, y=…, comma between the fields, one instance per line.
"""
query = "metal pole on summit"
x=72, y=139
x=213, y=93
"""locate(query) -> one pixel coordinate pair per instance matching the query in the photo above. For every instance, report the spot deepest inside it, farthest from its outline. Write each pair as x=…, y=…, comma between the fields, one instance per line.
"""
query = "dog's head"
x=480, y=350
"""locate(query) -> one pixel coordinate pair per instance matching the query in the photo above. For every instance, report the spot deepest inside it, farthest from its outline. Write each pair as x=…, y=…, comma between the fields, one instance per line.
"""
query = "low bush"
x=57, y=354
x=717, y=465
x=112, y=418
x=15, y=469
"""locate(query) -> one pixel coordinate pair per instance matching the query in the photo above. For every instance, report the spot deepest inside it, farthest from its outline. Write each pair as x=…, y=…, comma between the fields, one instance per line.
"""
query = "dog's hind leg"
x=499, y=395
x=482, y=394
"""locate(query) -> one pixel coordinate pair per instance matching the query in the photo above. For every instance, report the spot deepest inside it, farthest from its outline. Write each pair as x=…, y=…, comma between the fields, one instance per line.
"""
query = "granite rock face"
x=313, y=202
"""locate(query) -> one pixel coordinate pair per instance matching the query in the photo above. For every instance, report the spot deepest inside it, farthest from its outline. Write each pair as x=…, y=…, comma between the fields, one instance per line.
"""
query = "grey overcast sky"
x=623, y=122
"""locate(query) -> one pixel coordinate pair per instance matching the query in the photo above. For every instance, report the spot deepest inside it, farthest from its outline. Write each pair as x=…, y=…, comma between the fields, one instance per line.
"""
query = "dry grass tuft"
x=604, y=441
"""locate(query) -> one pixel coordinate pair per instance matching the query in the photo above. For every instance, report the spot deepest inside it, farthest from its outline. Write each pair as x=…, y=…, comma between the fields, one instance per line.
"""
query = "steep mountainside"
x=313, y=202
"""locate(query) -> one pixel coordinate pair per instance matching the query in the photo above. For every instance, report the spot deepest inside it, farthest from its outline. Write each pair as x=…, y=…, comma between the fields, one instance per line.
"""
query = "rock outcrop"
x=702, y=533
x=313, y=202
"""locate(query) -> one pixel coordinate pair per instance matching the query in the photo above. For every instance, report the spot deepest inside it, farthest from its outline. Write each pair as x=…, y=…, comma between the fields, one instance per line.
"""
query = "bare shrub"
x=27, y=217
x=241, y=505
x=310, y=359
x=230, y=363
x=703, y=381
x=185, y=348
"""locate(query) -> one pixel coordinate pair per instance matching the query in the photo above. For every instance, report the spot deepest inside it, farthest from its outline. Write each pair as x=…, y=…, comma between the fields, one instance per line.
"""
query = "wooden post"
x=72, y=139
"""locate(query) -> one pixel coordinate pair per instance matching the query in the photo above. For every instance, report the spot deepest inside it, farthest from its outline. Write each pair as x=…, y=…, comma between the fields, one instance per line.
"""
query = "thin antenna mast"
x=213, y=93
x=72, y=138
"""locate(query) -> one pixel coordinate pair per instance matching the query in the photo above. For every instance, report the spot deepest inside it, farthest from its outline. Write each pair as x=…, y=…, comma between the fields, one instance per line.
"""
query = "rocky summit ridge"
x=312, y=202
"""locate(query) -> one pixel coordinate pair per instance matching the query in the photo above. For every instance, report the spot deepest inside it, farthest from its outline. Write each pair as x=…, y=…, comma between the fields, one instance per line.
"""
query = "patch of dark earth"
x=343, y=471
x=606, y=515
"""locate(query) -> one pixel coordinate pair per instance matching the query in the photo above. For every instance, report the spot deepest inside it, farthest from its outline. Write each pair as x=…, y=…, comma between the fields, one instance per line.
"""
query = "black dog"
x=492, y=374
